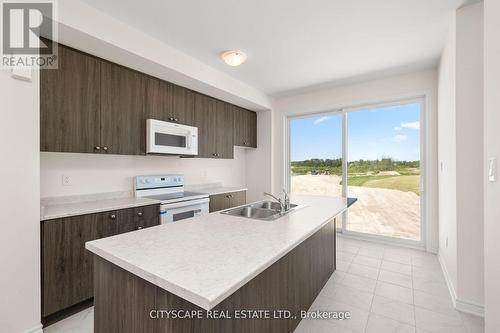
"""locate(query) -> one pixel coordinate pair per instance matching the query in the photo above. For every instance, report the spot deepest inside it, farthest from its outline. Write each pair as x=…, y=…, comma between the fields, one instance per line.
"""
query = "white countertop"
x=220, y=190
x=205, y=259
x=58, y=207
x=54, y=211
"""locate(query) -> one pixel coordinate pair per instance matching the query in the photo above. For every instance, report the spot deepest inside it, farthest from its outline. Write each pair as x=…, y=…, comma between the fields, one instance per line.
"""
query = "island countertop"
x=205, y=259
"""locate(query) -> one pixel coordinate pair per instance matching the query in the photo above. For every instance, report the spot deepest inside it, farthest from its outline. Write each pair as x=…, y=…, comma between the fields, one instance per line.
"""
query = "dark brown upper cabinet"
x=123, y=121
x=90, y=105
x=168, y=102
x=204, y=119
x=69, y=104
x=223, y=130
x=245, y=127
x=182, y=106
x=214, y=120
x=158, y=104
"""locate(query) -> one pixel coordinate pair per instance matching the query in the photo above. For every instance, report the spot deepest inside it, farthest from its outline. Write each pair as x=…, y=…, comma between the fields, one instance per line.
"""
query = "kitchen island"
x=216, y=273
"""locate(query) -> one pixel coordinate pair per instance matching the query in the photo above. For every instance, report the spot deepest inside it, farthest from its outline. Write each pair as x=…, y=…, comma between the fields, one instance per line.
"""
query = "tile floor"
x=387, y=289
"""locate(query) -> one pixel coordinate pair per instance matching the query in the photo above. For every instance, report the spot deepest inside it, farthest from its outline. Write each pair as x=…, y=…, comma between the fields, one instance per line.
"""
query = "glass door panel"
x=383, y=171
x=316, y=155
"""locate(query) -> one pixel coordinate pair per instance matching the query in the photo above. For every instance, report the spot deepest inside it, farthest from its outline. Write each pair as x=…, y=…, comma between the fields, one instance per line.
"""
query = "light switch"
x=492, y=169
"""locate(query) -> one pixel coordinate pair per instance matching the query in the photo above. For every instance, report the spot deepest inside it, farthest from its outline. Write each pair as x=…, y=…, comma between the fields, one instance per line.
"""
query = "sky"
x=372, y=134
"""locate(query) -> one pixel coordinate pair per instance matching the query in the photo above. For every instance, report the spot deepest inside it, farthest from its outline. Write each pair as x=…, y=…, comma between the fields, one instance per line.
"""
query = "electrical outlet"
x=67, y=180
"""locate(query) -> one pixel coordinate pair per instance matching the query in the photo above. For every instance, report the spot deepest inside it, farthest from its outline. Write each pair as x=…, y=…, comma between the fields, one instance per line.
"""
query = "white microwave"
x=163, y=137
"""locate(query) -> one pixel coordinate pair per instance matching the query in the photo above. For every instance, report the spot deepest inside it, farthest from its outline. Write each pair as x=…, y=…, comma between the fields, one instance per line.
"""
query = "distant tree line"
x=334, y=166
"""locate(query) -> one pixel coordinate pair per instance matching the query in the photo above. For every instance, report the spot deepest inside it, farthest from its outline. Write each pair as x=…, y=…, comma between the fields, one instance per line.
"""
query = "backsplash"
x=92, y=173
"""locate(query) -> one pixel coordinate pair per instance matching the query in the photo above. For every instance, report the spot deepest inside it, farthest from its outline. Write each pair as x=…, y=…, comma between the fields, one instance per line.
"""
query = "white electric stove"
x=176, y=204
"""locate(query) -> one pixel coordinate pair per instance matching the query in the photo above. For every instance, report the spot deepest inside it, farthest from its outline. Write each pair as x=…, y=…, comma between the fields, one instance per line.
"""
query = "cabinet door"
x=204, y=119
x=219, y=202
x=251, y=129
x=125, y=221
x=224, y=130
x=69, y=104
x=158, y=99
x=123, y=128
x=67, y=268
x=147, y=216
x=238, y=198
x=239, y=126
x=183, y=106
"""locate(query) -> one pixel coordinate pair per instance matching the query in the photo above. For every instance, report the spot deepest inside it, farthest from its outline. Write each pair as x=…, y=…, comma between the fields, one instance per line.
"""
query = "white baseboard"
x=447, y=278
x=36, y=329
x=468, y=307
x=460, y=305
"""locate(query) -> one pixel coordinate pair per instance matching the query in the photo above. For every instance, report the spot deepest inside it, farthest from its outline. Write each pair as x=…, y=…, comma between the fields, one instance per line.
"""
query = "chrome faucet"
x=286, y=200
x=284, y=203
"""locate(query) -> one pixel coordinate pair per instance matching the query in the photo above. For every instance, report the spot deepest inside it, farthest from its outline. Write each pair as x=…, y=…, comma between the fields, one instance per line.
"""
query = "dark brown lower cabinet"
x=227, y=200
x=66, y=267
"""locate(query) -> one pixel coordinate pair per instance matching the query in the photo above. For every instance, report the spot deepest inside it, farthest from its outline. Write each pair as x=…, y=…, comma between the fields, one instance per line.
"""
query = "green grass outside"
x=406, y=183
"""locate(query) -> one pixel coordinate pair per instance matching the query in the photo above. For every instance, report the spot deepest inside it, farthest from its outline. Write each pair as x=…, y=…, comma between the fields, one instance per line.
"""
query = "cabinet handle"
x=139, y=214
x=112, y=216
x=105, y=148
x=97, y=148
x=170, y=118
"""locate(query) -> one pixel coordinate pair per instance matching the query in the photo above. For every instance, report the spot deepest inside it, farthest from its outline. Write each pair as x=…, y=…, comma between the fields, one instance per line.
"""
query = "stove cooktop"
x=179, y=196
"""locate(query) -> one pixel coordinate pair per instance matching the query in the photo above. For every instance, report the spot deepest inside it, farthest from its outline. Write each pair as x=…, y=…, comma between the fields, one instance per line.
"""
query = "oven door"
x=183, y=210
x=169, y=138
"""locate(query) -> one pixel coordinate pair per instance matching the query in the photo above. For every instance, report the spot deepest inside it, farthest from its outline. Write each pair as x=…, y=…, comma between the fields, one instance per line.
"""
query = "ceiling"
x=296, y=45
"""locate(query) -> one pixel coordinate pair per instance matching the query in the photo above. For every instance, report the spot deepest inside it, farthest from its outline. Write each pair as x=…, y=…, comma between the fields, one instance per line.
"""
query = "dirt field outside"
x=379, y=211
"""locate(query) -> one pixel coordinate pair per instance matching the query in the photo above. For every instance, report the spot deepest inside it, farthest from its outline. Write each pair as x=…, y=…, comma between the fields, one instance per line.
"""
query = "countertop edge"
x=221, y=190
x=196, y=299
x=48, y=217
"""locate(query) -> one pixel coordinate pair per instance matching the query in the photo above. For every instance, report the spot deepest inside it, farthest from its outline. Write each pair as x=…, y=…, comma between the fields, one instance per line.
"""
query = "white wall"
x=93, y=173
x=492, y=149
x=460, y=123
x=447, y=157
x=469, y=154
x=259, y=161
x=20, y=205
x=370, y=92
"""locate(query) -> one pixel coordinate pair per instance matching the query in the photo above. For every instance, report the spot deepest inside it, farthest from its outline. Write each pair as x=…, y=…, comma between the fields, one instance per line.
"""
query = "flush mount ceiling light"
x=233, y=58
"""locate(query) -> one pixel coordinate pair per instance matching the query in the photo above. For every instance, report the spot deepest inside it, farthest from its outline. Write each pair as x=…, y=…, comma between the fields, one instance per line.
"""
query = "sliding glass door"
x=381, y=150
x=383, y=172
x=316, y=155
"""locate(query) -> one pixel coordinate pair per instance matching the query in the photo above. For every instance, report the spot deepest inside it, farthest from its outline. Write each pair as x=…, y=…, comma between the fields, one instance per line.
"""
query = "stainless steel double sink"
x=264, y=210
